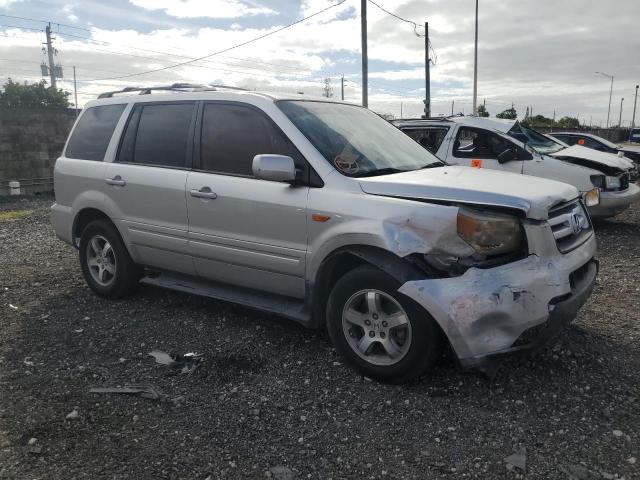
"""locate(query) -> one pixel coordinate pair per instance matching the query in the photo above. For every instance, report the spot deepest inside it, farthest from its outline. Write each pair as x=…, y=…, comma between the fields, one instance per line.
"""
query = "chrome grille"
x=570, y=225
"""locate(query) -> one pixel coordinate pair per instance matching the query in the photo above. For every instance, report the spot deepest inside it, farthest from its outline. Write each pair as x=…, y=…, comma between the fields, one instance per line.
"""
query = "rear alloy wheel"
x=379, y=331
x=106, y=265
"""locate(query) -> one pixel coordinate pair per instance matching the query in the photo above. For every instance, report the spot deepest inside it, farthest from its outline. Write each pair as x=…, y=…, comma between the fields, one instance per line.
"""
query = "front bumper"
x=613, y=203
x=484, y=312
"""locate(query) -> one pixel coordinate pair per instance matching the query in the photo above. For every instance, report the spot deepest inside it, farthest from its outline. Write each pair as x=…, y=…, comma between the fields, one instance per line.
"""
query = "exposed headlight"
x=597, y=181
x=592, y=197
x=489, y=233
x=612, y=183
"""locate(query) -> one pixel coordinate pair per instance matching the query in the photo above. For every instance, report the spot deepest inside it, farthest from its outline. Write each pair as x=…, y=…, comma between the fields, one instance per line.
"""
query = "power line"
x=260, y=37
x=23, y=28
x=45, y=21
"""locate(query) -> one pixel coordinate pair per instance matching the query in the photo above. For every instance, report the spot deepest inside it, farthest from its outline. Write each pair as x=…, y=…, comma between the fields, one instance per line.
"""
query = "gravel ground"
x=273, y=399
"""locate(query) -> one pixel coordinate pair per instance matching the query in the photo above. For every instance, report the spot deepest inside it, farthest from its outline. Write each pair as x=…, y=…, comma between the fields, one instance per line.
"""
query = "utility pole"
x=400, y=110
x=453, y=102
x=475, y=68
x=52, y=71
x=365, y=59
x=620, y=120
x=427, y=73
x=342, y=87
x=75, y=89
x=633, y=119
x=610, y=93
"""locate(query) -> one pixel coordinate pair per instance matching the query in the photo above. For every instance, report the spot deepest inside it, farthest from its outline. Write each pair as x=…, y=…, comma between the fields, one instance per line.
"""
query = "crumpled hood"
x=532, y=195
x=608, y=159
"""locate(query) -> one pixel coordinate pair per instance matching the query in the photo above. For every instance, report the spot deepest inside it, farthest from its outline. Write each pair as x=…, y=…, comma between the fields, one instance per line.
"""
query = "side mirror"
x=508, y=155
x=275, y=168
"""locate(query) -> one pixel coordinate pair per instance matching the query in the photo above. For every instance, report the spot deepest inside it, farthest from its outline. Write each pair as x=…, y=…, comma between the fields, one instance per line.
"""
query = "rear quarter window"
x=91, y=137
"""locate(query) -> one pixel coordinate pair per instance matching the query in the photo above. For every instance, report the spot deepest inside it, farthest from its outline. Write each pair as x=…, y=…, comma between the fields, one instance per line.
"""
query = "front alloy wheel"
x=377, y=327
x=379, y=331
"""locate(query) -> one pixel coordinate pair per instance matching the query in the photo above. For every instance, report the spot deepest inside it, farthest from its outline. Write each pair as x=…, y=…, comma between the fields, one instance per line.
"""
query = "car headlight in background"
x=612, y=183
x=489, y=233
x=592, y=197
x=598, y=181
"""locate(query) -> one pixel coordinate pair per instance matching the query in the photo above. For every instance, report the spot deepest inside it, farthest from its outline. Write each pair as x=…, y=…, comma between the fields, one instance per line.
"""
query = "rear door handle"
x=117, y=181
x=204, y=192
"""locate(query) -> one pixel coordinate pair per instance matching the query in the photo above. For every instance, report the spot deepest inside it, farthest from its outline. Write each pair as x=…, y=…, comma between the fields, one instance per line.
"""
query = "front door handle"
x=117, y=181
x=204, y=192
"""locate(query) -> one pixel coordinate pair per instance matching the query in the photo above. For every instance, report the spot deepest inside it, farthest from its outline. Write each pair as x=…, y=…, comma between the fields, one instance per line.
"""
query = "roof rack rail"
x=176, y=87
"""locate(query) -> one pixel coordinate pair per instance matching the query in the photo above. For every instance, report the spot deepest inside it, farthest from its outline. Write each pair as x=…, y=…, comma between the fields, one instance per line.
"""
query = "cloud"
x=203, y=8
x=7, y=3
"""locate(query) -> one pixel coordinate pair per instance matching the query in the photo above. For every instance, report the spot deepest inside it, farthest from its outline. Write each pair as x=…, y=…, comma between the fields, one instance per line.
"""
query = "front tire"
x=380, y=332
x=106, y=264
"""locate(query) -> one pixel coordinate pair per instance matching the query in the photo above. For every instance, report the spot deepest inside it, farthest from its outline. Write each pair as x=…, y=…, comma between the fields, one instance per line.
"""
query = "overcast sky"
x=539, y=53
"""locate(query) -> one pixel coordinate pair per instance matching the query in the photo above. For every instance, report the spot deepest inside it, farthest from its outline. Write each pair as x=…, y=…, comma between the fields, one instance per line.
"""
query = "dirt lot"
x=271, y=394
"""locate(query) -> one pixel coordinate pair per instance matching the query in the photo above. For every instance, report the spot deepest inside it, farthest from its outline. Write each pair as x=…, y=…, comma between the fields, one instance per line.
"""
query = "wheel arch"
x=88, y=215
x=345, y=259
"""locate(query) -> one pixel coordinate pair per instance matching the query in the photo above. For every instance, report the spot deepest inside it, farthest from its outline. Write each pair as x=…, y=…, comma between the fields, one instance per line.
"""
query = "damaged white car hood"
x=534, y=196
x=605, y=158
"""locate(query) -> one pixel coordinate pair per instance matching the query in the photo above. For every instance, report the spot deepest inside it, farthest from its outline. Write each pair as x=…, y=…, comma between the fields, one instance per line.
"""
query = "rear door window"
x=158, y=134
x=91, y=137
x=233, y=134
x=430, y=138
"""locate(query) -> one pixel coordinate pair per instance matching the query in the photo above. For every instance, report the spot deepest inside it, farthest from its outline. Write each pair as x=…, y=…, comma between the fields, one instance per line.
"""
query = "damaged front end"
x=518, y=282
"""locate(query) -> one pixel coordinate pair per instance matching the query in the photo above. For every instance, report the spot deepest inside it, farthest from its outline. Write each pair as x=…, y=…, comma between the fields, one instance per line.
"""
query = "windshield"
x=540, y=143
x=356, y=141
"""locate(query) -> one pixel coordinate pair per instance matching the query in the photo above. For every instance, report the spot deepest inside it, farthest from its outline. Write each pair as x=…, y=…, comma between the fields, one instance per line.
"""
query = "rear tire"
x=106, y=264
x=380, y=332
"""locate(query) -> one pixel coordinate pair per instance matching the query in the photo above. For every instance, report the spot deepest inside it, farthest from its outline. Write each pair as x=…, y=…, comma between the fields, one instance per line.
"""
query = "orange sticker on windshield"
x=581, y=141
x=476, y=163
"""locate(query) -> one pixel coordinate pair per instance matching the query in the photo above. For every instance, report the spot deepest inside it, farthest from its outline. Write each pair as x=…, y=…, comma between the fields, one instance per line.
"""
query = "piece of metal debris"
x=13, y=307
x=145, y=390
x=73, y=414
x=35, y=449
x=517, y=460
x=187, y=363
x=27, y=361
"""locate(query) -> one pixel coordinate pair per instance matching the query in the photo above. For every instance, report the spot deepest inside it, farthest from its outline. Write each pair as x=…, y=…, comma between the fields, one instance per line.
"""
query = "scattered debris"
x=27, y=361
x=13, y=307
x=79, y=330
x=281, y=473
x=617, y=433
x=145, y=391
x=631, y=460
x=187, y=363
x=517, y=460
x=35, y=449
x=32, y=441
x=73, y=414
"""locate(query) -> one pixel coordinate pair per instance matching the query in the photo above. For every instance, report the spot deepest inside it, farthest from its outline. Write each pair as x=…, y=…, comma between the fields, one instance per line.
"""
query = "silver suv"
x=325, y=213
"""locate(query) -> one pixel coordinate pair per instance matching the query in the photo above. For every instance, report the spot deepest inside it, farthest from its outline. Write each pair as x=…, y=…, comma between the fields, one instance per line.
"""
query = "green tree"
x=569, y=122
x=508, y=114
x=38, y=95
x=538, y=121
x=482, y=111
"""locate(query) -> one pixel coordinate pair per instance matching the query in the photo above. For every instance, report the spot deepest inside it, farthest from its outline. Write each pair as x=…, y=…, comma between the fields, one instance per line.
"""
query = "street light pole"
x=475, y=68
x=633, y=119
x=365, y=59
x=610, y=94
x=620, y=120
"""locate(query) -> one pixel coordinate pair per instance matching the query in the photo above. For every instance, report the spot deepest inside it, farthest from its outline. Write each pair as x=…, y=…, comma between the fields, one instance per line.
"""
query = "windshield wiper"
x=434, y=165
x=380, y=171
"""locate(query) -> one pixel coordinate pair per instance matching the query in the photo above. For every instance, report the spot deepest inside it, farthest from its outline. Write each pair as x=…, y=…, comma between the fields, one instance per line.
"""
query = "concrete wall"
x=30, y=142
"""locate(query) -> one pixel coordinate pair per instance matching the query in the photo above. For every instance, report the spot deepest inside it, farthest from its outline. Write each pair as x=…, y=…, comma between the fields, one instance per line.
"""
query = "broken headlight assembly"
x=612, y=183
x=490, y=234
x=497, y=239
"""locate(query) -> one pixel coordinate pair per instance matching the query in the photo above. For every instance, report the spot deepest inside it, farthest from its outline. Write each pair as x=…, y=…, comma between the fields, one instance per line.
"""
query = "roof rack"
x=175, y=87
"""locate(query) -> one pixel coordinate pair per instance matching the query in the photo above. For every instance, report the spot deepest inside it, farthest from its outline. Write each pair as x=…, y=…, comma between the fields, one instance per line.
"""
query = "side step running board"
x=278, y=304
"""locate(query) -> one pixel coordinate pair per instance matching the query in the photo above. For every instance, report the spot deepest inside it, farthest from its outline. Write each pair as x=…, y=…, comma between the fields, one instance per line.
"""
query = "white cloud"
x=68, y=11
x=7, y=3
x=203, y=8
